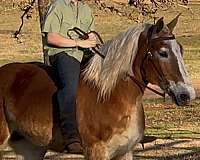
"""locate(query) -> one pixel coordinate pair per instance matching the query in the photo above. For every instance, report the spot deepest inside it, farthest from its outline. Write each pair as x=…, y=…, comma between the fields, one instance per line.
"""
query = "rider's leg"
x=67, y=70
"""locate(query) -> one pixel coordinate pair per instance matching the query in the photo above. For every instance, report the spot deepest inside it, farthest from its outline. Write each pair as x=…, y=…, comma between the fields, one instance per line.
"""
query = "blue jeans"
x=67, y=71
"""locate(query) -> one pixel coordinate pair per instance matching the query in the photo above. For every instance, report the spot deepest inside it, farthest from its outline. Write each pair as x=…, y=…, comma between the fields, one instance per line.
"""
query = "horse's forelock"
x=120, y=53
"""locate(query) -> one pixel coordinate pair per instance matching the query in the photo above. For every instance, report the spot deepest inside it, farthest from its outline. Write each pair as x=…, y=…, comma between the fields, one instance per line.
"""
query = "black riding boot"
x=71, y=135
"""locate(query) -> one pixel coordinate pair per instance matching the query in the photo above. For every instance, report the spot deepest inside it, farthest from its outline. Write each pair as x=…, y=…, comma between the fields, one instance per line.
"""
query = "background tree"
x=43, y=6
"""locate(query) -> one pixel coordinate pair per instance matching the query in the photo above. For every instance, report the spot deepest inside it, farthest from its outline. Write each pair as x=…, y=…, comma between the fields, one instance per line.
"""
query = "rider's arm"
x=58, y=40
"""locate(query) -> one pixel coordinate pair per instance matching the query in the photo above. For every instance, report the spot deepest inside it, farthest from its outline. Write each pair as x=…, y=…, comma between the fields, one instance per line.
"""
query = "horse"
x=109, y=109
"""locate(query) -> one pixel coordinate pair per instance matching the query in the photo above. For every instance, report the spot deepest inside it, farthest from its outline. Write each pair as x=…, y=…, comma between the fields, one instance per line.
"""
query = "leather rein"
x=148, y=56
x=84, y=35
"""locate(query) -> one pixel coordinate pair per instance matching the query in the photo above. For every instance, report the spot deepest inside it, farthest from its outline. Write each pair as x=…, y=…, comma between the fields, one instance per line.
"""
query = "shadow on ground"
x=161, y=149
x=169, y=149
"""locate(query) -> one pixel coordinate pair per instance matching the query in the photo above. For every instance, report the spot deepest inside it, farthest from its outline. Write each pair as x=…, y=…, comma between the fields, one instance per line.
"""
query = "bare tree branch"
x=26, y=9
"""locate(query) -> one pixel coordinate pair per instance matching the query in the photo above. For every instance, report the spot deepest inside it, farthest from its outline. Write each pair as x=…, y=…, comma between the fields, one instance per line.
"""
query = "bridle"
x=148, y=56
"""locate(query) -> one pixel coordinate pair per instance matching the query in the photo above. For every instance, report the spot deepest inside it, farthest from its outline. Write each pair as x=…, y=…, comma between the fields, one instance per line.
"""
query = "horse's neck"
x=125, y=90
x=128, y=90
x=139, y=61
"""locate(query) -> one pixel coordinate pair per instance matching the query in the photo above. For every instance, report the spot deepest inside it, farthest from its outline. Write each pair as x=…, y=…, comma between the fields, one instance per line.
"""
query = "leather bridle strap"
x=148, y=53
x=160, y=73
x=84, y=35
x=163, y=38
x=139, y=84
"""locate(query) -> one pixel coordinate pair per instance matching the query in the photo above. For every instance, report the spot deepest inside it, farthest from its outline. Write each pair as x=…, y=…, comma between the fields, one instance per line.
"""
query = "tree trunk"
x=43, y=6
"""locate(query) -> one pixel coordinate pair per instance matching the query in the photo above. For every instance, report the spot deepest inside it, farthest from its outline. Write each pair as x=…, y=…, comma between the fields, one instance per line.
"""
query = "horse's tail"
x=4, y=131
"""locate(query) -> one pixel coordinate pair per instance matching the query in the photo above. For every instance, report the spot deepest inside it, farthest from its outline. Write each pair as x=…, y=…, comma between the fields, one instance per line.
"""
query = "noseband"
x=148, y=56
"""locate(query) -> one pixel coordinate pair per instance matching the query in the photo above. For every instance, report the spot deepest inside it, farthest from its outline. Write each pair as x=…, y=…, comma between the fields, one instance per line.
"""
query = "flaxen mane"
x=120, y=53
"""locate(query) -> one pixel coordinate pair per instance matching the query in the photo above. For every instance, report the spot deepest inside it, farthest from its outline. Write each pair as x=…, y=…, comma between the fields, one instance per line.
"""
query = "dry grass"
x=164, y=120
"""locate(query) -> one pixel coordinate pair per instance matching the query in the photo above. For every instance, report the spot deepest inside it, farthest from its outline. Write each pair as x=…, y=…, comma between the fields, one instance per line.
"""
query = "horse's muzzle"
x=181, y=93
x=180, y=99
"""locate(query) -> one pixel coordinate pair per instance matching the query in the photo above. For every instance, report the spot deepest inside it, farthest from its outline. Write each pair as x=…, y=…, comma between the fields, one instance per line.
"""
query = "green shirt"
x=61, y=17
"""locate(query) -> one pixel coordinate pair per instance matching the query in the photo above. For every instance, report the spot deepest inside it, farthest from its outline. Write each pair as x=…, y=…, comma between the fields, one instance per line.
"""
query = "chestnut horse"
x=109, y=102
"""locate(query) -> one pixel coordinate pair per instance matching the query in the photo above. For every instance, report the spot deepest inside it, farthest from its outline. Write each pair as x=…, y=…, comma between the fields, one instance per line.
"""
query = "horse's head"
x=163, y=63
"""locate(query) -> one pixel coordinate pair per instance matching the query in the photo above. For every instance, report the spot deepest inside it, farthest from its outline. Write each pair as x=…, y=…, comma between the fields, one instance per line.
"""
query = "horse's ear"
x=159, y=25
x=173, y=23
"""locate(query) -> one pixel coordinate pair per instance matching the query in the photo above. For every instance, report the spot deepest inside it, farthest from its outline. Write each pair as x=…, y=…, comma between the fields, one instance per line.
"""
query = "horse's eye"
x=163, y=54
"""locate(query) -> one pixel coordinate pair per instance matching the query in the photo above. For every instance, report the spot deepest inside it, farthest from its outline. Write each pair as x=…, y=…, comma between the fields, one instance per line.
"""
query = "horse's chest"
x=123, y=142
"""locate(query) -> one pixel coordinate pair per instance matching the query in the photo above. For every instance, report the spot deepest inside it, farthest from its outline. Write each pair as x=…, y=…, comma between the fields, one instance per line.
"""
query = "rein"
x=84, y=35
x=144, y=85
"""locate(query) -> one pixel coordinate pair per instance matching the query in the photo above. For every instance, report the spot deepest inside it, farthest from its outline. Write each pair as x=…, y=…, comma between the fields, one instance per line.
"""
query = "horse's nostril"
x=184, y=97
x=180, y=97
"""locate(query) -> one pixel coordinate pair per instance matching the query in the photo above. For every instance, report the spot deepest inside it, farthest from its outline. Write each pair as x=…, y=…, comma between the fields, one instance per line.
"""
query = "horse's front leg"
x=127, y=156
x=97, y=151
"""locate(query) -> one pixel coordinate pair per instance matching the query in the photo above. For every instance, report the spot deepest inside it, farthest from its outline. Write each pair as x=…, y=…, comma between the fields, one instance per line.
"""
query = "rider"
x=65, y=55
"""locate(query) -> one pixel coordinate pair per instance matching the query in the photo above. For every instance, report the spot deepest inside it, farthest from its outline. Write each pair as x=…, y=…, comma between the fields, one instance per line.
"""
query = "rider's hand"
x=88, y=43
x=92, y=36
